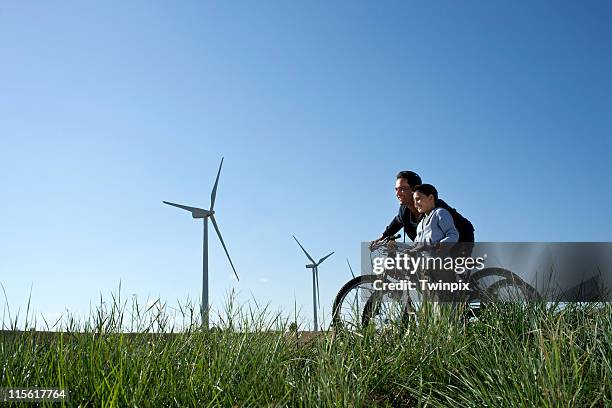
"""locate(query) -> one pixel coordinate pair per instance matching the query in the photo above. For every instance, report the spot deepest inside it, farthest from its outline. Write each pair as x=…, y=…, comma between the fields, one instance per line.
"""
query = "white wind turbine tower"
x=205, y=215
x=315, y=280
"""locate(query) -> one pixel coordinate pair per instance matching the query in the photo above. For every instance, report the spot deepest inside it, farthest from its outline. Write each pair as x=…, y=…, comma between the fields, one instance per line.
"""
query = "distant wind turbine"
x=315, y=280
x=205, y=215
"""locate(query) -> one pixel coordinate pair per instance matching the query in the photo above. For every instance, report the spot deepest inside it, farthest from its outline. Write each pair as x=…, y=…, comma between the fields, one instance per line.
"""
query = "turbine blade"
x=212, y=218
x=193, y=210
x=213, y=195
x=307, y=254
x=324, y=258
x=349, y=264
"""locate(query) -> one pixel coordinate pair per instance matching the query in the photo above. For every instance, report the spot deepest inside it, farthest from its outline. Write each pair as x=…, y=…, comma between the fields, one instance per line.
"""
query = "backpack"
x=463, y=225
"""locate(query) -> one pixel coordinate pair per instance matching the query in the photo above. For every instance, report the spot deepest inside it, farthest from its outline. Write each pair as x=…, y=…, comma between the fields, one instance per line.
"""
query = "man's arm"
x=402, y=219
x=394, y=226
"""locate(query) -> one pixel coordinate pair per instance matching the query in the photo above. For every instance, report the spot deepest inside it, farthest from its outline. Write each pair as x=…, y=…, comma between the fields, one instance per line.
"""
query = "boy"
x=436, y=224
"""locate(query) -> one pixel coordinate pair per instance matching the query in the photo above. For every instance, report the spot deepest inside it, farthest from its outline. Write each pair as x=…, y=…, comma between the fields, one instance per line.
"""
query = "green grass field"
x=515, y=355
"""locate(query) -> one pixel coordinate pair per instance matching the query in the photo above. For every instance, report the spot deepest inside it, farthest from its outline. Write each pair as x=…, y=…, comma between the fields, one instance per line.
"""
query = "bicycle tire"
x=481, y=295
x=383, y=313
x=358, y=315
x=498, y=272
x=341, y=308
x=518, y=290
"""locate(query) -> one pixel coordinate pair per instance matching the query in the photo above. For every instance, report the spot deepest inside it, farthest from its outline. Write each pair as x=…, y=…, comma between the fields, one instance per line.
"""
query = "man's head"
x=425, y=197
x=406, y=181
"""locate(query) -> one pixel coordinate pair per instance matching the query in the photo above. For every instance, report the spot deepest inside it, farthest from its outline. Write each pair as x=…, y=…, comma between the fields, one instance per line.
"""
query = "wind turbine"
x=205, y=215
x=315, y=280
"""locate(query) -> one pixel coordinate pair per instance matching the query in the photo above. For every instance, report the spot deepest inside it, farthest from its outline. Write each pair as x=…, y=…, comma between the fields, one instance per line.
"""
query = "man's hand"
x=376, y=243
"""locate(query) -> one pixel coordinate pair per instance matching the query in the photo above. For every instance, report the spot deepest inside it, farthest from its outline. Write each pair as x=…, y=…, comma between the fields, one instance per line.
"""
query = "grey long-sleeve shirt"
x=436, y=227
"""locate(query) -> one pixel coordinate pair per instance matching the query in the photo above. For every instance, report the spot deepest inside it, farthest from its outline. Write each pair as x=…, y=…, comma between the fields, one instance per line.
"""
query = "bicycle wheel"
x=494, y=273
x=385, y=308
x=498, y=284
x=350, y=301
x=511, y=290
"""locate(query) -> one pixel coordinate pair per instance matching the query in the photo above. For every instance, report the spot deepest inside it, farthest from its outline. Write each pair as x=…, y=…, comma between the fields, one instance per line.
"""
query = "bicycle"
x=361, y=301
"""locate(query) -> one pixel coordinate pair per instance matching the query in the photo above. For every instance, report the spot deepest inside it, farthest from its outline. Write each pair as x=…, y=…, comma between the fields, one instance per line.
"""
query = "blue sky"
x=107, y=109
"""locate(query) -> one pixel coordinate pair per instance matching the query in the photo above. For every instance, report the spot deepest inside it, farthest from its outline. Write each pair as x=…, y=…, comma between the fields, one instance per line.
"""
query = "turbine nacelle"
x=195, y=211
x=202, y=214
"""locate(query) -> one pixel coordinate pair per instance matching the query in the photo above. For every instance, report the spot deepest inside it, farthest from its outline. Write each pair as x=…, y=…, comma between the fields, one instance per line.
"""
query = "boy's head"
x=404, y=183
x=425, y=197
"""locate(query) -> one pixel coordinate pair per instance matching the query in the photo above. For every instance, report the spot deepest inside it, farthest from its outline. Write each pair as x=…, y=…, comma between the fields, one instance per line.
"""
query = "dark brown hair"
x=411, y=177
x=426, y=189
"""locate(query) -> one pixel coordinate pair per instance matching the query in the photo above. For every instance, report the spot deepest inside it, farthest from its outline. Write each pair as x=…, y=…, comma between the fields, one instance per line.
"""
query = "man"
x=408, y=216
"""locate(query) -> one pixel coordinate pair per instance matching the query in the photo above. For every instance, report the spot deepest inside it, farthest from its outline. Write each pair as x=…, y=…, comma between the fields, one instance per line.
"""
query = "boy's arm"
x=446, y=224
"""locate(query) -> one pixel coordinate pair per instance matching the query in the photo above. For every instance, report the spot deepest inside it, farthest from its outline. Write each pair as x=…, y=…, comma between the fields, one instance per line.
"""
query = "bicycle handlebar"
x=392, y=238
x=383, y=241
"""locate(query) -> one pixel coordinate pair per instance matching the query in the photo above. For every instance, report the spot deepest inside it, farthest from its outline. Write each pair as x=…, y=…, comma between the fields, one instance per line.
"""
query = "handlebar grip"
x=393, y=238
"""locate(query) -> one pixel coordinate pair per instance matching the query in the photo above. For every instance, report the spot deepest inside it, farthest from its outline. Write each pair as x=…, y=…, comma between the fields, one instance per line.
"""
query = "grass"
x=515, y=355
